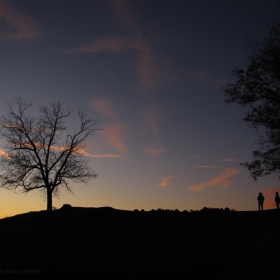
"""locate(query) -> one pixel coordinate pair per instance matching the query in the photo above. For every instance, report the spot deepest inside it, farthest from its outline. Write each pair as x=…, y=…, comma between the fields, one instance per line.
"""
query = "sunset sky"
x=152, y=72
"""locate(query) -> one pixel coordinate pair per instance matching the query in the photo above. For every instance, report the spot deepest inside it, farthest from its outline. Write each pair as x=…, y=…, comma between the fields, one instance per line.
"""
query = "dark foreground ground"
x=105, y=243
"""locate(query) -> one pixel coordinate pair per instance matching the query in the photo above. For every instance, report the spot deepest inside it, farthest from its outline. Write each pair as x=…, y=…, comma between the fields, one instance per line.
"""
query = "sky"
x=151, y=71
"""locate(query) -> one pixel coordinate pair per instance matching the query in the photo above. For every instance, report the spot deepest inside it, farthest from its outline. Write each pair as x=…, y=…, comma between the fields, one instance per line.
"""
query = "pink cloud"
x=153, y=152
x=103, y=106
x=223, y=180
x=116, y=44
x=81, y=151
x=209, y=166
x=102, y=155
x=113, y=135
x=122, y=9
x=86, y=153
x=19, y=26
x=151, y=116
x=229, y=160
x=149, y=74
x=166, y=181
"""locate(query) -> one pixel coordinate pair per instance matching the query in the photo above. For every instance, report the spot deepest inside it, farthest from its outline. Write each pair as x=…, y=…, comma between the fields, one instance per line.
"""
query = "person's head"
x=276, y=193
x=260, y=193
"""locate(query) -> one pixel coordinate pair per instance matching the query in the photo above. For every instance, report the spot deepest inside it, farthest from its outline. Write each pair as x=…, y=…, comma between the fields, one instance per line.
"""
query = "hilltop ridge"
x=108, y=243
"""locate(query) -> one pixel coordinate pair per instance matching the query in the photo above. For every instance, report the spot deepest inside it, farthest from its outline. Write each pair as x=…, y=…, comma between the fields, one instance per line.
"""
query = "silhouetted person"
x=260, y=200
x=277, y=200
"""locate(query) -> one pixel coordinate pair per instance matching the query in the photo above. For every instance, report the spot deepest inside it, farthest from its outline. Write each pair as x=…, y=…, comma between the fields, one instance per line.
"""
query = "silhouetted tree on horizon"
x=258, y=89
x=39, y=153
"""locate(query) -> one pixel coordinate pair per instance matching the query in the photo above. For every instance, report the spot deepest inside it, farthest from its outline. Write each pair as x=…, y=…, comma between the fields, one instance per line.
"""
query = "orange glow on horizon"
x=270, y=197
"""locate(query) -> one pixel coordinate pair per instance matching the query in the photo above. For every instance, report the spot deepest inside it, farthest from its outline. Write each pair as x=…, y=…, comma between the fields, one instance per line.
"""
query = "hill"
x=106, y=243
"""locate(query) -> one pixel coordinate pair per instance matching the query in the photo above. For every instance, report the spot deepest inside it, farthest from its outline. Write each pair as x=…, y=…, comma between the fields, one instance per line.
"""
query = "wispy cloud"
x=210, y=166
x=151, y=114
x=149, y=74
x=103, y=155
x=204, y=76
x=123, y=11
x=113, y=133
x=228, y=160
x=151, y=117
x=153, y=152
x=214, y=159
x=223, y=180
x=114, y=136
x=18, y=25
x=86, y=153
x=103, y=105
x=78, y=151
x=166, y=181
x=113, y=43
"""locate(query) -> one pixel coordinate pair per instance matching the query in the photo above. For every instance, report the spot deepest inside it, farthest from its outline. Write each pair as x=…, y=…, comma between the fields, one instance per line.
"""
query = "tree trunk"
x=49, y=200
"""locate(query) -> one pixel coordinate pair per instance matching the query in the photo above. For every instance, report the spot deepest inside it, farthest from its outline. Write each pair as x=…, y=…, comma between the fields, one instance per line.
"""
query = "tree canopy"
x=40, y=153
x=258, y=89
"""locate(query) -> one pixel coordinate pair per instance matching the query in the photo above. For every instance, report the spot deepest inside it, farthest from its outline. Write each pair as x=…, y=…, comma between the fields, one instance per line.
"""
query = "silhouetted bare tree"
x=258, y=89
x=39, y=153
